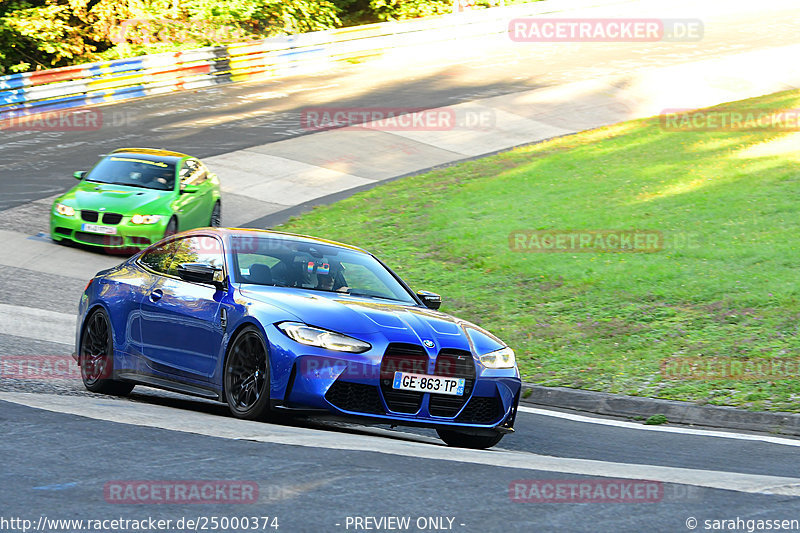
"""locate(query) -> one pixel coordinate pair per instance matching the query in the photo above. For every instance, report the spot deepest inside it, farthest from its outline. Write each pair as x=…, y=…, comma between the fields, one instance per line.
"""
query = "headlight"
x=503, y=358
x=145, y=219
x=65, y=210
x=322, y=338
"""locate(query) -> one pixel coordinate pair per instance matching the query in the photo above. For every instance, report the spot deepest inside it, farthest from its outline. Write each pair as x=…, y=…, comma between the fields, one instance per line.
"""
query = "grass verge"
x=725, y=284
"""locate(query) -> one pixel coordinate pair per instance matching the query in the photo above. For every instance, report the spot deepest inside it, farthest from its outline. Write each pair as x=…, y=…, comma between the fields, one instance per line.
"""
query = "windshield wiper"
x=127, y=185
x=373, y=296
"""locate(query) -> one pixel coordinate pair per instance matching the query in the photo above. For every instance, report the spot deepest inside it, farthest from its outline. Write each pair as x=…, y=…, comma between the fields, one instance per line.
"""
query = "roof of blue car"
x=250, y=232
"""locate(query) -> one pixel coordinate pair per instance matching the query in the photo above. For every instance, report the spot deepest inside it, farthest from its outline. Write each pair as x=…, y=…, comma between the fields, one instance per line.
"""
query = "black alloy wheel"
x=96, y=357
x=247, y=376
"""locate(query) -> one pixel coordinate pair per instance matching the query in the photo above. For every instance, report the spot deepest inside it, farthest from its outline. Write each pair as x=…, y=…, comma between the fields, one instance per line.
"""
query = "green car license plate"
x=94, y=228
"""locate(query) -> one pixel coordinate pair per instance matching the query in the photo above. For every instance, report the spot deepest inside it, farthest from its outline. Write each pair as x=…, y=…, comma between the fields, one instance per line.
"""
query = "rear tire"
x=96, y=357
x=216, y=215
x=456, y=439
x=246, y=376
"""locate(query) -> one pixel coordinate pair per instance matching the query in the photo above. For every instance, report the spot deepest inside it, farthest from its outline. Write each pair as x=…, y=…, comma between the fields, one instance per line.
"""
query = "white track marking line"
x=52, y=326
x=641, y=427
x=157, y=416
x=37, y=324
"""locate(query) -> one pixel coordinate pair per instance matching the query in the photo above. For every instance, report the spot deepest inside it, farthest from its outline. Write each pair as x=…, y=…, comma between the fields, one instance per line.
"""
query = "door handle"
x=156, y=295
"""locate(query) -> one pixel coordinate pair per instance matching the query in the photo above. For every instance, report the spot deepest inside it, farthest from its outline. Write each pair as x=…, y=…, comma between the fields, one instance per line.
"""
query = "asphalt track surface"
x=222, y=119
x=62, y=445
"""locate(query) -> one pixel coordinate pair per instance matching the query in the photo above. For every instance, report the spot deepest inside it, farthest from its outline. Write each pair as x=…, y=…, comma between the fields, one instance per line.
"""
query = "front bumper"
x=128, y=235
x=352, y=385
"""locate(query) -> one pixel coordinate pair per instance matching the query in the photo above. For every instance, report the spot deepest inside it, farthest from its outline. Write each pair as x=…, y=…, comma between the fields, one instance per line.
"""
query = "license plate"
x=94, y=228
x=426, y=383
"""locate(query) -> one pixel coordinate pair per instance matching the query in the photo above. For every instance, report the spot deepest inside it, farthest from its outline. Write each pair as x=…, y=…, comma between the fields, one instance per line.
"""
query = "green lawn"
x=725, y=284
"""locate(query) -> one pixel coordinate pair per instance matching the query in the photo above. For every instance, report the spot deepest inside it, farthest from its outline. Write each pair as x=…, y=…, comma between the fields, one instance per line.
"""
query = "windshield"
x=283, y=262
x=134, y=172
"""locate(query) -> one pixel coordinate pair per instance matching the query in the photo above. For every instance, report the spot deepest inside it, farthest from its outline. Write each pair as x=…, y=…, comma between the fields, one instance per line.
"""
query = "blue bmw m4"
x=270, y=322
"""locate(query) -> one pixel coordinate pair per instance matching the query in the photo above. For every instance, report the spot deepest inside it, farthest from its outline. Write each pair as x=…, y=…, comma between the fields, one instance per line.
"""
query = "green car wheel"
x=172, y=227
x=216, y=216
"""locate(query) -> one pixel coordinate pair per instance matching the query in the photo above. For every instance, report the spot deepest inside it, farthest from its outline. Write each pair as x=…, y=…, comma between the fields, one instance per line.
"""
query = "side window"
x=199, y=249
x=159, y=258
x=193, y=172
x=187, y=168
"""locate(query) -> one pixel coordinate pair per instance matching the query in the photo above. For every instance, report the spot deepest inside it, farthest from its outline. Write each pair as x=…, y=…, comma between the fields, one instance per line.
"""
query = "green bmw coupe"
x=134, y=197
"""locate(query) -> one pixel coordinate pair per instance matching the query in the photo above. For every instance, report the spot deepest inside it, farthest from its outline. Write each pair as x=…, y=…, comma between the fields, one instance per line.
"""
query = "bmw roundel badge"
x=428, y=343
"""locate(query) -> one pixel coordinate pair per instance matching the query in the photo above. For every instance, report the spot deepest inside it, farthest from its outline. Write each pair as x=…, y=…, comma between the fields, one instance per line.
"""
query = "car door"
x=181, y=327
x=193, y=207
x=139, y=279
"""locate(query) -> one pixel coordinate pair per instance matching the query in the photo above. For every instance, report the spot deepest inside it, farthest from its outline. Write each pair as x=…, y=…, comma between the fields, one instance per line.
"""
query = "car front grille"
x=112, y=218
x=481, y=410
x=455, y=364
x=357, y=397
x=63, y=231
x=89, y=216
x=94, y=216
x=402, y=358
x=112, y=241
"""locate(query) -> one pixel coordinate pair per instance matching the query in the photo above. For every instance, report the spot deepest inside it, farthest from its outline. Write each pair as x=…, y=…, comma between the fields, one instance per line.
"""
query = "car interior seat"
x=261, y=274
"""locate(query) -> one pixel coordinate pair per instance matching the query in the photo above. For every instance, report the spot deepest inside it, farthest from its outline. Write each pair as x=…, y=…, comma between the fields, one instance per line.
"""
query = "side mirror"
x=430, y=299
x=79, y=174
x=200, y=273
x=189, y=189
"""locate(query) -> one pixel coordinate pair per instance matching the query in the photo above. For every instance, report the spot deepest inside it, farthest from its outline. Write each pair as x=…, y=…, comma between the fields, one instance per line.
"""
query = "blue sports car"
x=270, y=322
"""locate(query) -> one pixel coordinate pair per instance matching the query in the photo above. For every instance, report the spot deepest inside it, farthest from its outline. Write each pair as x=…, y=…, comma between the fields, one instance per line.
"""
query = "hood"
x=118, y=198
x=358, y=316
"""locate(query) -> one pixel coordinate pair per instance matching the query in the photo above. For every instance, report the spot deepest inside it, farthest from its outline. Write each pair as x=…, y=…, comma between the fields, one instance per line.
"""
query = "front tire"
x=96, y=357
x=456, y=439
x=172, y=227
x=246, y=376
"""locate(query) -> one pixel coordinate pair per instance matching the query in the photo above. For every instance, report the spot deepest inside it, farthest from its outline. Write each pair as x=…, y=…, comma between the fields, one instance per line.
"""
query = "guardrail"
x=122, y=79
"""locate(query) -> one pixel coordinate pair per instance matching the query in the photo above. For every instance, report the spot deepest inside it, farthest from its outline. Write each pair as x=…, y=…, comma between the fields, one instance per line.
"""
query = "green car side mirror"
x=79, y=174
x=189, y=189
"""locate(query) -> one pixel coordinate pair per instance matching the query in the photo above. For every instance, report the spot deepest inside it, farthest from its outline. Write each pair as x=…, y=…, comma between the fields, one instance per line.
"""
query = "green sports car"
x=134, y=197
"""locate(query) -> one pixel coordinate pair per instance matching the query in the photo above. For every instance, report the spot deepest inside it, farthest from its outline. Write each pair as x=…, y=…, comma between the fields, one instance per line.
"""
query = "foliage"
x=39, y=34
x=656, y=420
x=385, y=10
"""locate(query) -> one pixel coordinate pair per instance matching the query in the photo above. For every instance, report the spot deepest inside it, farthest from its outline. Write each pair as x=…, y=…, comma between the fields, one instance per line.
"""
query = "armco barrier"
x=76, y=86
